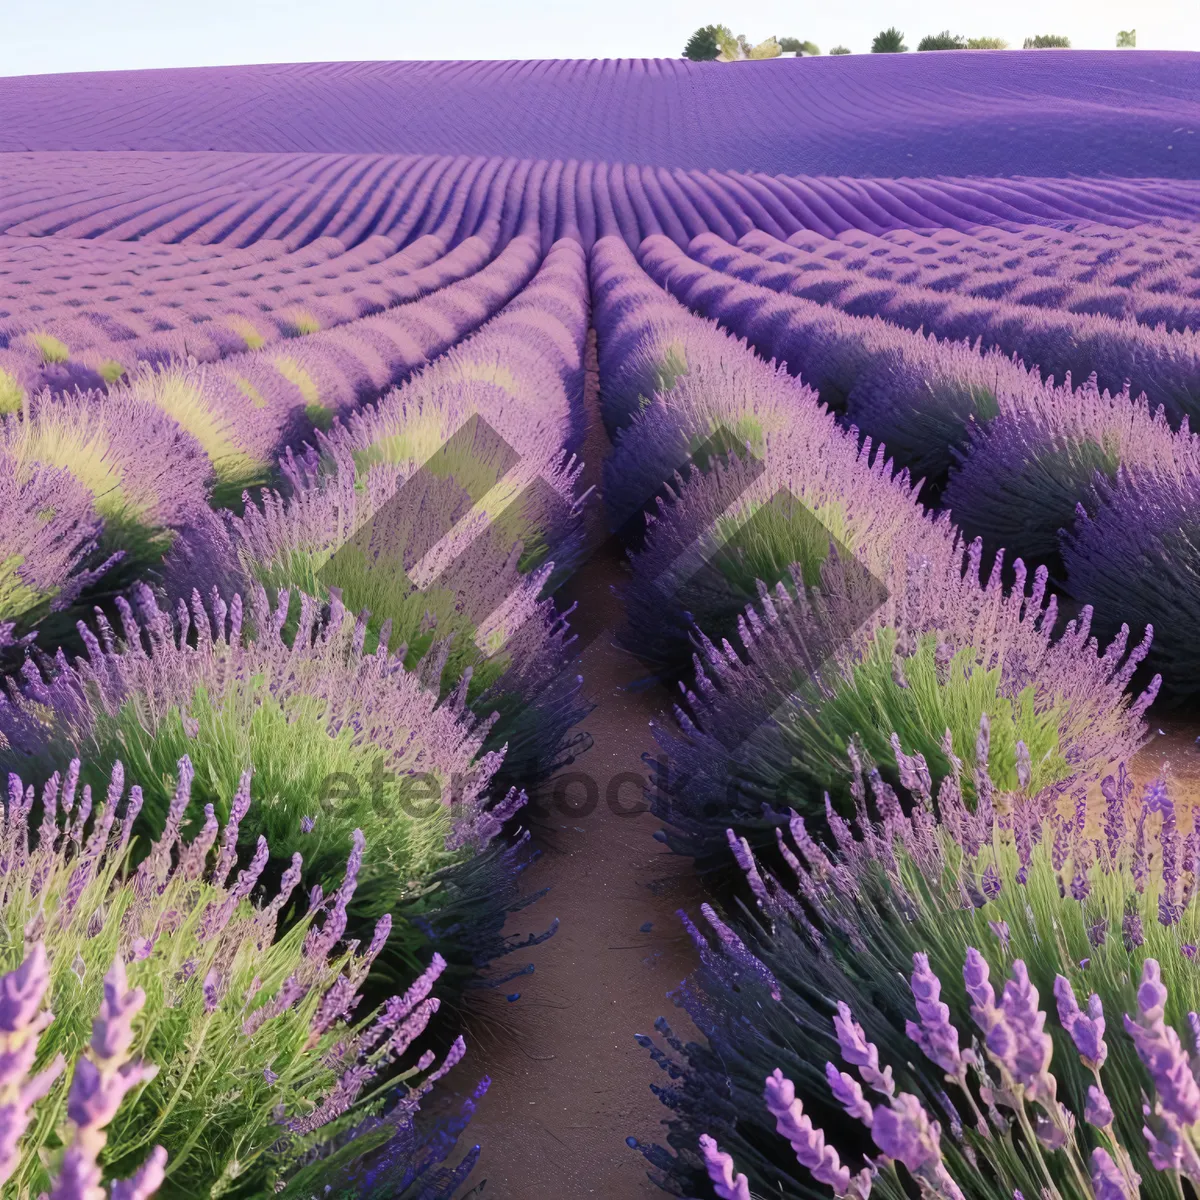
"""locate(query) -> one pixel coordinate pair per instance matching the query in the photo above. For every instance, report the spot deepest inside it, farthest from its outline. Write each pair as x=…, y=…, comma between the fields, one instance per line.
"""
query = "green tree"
x=705, y=44
x=790, y=45
x=986, y=43
x=840, y=50
x=1048, y=41
x=1127, y=39
x=890, y=41
x=942, y=41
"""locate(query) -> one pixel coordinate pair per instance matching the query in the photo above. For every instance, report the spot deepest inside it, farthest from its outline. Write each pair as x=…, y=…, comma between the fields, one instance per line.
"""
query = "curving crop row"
x=722, y=559
x=92, y=349
x=1150, y=292
x=1164, y=366
x=1034, y=461
x=258, y=673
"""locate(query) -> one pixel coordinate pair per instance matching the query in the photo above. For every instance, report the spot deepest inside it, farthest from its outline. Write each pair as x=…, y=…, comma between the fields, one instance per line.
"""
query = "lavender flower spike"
x=1097, y=1111
x=1107, y=1181
x=720, y=1170
x=1019, y=1039
x=847, y=1091
x=21, y=1021
x=903, y=1131
x=146, y=1182
x=98, y=1087
x=1160, y=1049
x=808, y=1143
x=1087, y=1032
x=861, y=1053
x=936, y=1036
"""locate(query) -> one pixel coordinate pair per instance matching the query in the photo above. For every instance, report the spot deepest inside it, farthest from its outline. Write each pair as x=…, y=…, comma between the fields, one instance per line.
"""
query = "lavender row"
x=1133, y=258
x=1151, y=293
x=524, y=372
x=93, y=349
x=1009, y=1015
x=708, y=567
x=1164, y=366
x=1053, y=455
x=357, y=508
x=917, y=395
x=238, y=200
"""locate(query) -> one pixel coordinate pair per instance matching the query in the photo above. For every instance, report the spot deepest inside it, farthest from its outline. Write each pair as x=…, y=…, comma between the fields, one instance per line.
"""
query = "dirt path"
x=569, y=1083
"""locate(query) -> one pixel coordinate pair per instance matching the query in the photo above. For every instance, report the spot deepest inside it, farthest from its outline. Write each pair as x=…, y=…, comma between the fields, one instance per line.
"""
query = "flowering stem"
x=1036, y=1146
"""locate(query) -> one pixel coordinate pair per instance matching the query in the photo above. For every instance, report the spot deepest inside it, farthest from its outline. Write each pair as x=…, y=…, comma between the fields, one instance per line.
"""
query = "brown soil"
x=569, y=1083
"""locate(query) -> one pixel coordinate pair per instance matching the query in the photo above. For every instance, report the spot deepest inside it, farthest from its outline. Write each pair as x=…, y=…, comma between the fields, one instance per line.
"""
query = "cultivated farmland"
x=397, y=460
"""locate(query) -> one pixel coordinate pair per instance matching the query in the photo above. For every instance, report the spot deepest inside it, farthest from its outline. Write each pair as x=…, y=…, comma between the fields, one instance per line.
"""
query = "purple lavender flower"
x=21, y=1021
x=990, y=882
x=1131, y=931
x=1002, y=932
x=936, y=1036
x=147, y=1180
x=1097, y=1111
x=808, y=1143
x=719, y=1165
x=1107, y=1181
x=903, y=1131
x=1160, y=1050
x=1020, y=1041
x=1087, y=1032
x=984, y=1011
x=859, y=1052
x=99, y=1085
x=847, y=1091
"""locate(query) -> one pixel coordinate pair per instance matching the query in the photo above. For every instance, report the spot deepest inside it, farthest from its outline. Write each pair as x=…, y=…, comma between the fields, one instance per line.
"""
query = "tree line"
x=715, y=43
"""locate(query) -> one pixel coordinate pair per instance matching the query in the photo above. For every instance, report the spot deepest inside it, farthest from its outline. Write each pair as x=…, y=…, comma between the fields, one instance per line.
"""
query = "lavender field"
x=793, y=459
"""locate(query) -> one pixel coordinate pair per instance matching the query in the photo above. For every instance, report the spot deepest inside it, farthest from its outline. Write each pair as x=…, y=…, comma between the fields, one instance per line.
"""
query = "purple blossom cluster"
x=180, y=906
x=102, y=1078
x=1013, y=1072
x=49, y=531
x=163, y=662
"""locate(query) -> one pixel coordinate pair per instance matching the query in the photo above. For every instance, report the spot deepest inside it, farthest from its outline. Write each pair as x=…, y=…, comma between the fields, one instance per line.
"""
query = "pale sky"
x=41, y=36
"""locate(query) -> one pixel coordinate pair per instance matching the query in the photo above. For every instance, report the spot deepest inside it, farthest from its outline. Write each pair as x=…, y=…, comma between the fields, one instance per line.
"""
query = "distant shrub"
x=1048, y=41
x=768, y=49
x=705, y=44
x=943, y=41
x=841, y=50
x=986, y=43
x=49, y=347
x=890, y=41
x=796, y=46
x=12, y=394
x=1127, y=39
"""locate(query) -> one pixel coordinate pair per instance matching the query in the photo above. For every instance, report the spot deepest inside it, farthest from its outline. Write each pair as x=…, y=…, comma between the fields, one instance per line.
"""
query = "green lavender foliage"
x=208, y=959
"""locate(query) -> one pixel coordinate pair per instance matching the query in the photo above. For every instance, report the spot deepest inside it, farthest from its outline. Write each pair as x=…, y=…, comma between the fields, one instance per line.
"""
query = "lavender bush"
x=339, y=739
x=1025, y=473
x=49, y=531
x=900, y=976
x=1135, y=558
x=147, y=477
x=243, y=1061
x=765, y=726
